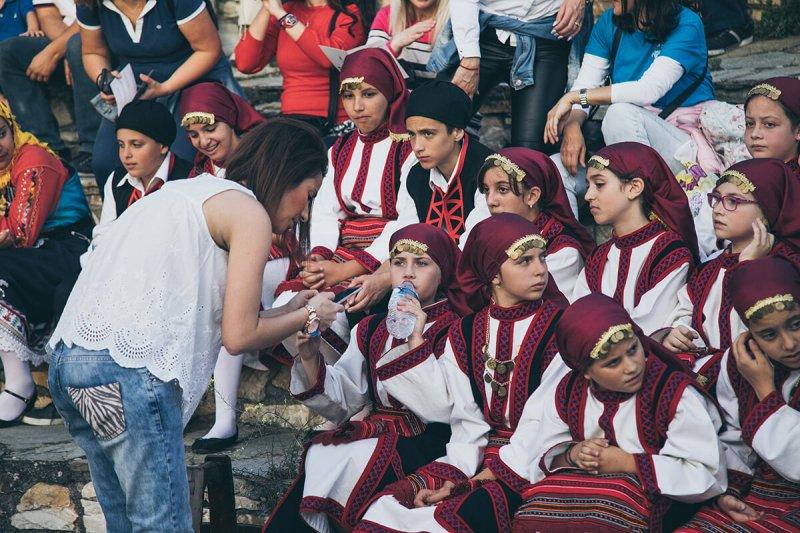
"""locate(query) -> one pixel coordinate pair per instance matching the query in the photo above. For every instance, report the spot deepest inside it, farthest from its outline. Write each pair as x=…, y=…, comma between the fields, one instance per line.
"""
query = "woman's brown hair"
x=275, y=157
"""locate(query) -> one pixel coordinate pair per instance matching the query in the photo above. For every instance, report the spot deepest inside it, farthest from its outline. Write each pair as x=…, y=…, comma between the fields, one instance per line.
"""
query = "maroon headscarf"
x=538, y=170
x=437, y=244
x=376, y=67
x=661, y=189
x=777, y=192
x=483, y=254
x=585, y=328
x=761, y=282
x=783, y=89
x=206, y=103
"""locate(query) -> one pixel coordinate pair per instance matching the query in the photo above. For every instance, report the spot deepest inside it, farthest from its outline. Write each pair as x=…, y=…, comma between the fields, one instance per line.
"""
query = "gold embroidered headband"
x=349, y=84
x=600, y=163
x=522, y=245
x=508, y=166
x=765, y=89
x=614, y=335
x=197, y=117
x=737, y=178
x=409, y=245
x=780, y=302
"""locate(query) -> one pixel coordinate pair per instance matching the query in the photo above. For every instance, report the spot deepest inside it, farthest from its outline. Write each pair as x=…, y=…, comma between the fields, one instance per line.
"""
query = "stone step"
x=45, y=484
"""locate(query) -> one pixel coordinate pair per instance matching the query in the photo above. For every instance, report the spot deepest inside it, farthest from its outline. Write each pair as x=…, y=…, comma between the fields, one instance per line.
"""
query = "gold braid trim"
x=197, y=117
x=765, y=89
x=409, y=245
x=523, y=244
x=737, y=178
x=614, y=335
x=600, y=163
x=779, y=303
x=351, y=84
x=508, y=166
x=399, y=137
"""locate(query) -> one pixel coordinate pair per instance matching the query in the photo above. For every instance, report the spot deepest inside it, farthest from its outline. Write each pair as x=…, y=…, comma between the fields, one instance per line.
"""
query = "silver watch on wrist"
x=583, y=98
x=311, y=327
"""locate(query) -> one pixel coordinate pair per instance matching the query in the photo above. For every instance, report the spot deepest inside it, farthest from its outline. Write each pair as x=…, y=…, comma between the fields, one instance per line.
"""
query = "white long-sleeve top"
x=373, y=195
x=768, y=430
x=652, y=264
x=400, y=375
x=689, y=466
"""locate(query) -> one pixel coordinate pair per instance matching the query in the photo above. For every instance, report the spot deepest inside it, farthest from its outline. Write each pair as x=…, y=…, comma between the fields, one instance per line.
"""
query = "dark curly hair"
x=658, y=18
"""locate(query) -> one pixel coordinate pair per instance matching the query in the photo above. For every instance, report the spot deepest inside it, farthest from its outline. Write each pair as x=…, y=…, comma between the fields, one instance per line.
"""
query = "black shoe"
x=214, y=445
x=29, y=403
x=46, y=416
x=729, y=39
x=83, y=164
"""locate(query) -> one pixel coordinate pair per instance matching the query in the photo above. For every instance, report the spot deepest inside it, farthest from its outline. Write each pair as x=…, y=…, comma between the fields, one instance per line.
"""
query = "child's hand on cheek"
x=761, y=245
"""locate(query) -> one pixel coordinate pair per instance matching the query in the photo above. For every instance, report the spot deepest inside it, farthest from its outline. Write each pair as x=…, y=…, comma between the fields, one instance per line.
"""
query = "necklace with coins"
x=490, y=364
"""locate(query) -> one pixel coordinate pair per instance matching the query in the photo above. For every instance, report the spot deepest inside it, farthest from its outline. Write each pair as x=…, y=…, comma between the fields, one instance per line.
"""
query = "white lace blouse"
x=152, y=293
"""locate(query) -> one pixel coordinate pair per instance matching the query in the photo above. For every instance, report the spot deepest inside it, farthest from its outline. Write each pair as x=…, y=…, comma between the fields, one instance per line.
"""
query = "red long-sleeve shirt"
x=37, y=178
x=305, y=69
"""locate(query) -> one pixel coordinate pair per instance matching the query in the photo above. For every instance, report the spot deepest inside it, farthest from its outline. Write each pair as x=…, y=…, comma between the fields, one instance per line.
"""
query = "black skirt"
x=34, y=286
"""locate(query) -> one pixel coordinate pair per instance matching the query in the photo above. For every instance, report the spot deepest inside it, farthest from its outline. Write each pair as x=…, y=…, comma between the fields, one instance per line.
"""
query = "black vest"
x=122, y=194
x=418, y=182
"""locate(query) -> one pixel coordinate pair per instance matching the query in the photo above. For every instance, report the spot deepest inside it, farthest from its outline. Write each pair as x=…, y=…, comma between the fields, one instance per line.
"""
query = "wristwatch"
x=584, y=100
x=288, y=21
x=311, y=327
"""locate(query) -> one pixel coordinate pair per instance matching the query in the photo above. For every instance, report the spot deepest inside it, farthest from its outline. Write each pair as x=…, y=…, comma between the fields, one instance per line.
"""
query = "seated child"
x=772, y=121
x=758, y=392
x=495, y=358
x=401, y=382
x=627, y=432
x=754, y=205
x=653, y=246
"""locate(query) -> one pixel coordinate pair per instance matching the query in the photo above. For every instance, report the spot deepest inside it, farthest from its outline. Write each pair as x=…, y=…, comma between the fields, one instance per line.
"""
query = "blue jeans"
x=29, y=98
x=721, y=15
x=129, y=424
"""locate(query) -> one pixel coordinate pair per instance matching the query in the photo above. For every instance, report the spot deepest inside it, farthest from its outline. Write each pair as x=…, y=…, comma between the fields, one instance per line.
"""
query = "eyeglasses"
x=730, y=203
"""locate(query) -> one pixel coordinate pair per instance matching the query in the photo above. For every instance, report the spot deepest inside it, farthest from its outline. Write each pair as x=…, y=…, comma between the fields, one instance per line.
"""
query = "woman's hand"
x=736, y=509
x=411, y=35
x=468, y=74
x=319, y=274
x=569, y=19
x=412, y=306
x=300, y=299
x=155, y=89
x=373, y=288
x=326, y=309
x=573, y=148
x=560, y=111
x=33, y=33
x=761, y=245
x=109, y=98
x=274, y=8
x=754, y=365
x=428, y=497
x=680, y=339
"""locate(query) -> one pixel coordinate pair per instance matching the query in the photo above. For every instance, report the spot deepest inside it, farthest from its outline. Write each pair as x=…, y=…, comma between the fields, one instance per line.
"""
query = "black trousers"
x=529, y=106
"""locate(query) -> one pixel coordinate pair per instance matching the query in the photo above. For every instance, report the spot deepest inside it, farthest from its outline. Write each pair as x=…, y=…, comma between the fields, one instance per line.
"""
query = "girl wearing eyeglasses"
x=753, y=205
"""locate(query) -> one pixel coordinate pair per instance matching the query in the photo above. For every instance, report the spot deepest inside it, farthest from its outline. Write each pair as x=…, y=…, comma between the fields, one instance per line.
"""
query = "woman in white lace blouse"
x=138, y=339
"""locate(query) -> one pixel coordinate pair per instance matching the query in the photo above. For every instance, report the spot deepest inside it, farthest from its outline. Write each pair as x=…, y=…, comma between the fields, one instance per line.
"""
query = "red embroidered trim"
x=759, y=414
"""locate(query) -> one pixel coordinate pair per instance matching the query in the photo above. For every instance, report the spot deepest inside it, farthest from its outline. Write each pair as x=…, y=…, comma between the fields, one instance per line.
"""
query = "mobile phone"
x=345, y=294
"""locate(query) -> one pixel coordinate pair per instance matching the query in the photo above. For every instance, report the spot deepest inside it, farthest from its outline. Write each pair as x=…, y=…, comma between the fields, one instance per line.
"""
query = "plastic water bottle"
x=400, y=324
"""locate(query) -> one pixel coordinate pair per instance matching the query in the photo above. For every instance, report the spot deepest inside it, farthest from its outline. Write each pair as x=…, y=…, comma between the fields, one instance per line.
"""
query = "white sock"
x=19, y=381
x=226, y=386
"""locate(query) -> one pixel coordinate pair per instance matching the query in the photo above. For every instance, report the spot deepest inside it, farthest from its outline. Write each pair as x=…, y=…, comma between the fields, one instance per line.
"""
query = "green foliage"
x=779, y=21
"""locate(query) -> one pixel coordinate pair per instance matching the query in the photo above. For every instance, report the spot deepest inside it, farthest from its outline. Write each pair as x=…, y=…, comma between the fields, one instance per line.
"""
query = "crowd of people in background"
x=550, y=381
